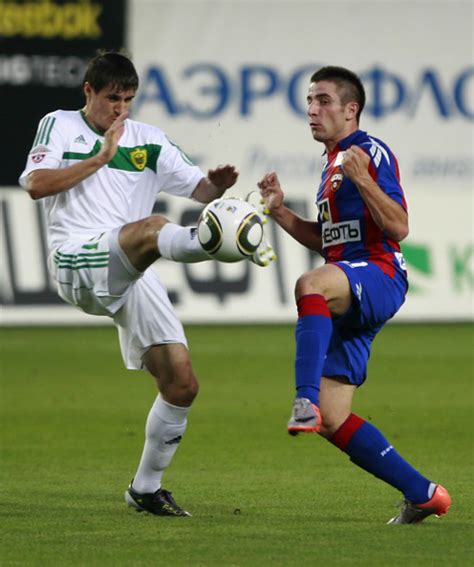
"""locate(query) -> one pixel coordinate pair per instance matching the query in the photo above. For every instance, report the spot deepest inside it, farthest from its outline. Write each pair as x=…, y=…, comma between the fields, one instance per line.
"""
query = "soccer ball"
x=229, y=229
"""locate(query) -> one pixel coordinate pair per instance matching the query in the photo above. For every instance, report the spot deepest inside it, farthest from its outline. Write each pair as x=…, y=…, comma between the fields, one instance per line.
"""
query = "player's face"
x=103, y=107
x=329, y=120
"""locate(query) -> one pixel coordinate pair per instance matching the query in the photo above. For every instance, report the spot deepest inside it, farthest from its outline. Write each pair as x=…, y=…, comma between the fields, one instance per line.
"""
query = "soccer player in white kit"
x=98, y=174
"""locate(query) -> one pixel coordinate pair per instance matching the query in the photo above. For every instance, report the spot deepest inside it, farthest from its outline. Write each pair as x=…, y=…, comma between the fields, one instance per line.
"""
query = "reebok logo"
x=80, y=140
x=174, y=441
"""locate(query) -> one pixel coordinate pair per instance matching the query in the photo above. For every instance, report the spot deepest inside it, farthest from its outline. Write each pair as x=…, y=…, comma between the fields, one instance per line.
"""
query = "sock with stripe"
x=165, y=427
x=368, y=448
x=313, y=333
x=180, y=244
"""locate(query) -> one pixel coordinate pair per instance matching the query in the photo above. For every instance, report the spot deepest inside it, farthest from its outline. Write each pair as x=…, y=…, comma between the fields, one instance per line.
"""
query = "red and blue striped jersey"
x=348, y=230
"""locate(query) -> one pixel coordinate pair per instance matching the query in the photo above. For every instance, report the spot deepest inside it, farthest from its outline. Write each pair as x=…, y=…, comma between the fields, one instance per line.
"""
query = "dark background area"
x=44, y=48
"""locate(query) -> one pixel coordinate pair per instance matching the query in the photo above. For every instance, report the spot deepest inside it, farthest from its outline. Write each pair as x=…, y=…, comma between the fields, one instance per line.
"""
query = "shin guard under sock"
x=313, y=333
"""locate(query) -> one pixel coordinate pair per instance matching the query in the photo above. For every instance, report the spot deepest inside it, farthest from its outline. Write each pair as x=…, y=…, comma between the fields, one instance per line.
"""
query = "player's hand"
x=271, y=191
x=355, y=164
x=223, y=177
x=112, y=137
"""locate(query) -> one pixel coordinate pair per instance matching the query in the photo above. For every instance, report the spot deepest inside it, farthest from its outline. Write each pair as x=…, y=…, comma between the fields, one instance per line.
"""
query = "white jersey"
x=120, y=192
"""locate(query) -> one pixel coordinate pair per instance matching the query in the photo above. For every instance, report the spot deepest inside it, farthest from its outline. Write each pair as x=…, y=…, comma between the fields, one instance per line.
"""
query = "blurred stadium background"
x=226, y=80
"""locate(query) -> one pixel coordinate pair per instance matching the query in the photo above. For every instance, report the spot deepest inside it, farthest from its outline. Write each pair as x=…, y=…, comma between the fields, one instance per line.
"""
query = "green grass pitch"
x=72, y=432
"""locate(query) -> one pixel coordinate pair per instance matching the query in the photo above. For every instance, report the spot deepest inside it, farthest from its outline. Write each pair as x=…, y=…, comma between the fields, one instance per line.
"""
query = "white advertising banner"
x=227, y=81
x=440, y=264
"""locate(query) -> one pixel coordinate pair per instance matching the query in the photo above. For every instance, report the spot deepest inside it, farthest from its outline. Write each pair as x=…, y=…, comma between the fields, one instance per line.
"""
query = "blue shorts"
x=375, y=299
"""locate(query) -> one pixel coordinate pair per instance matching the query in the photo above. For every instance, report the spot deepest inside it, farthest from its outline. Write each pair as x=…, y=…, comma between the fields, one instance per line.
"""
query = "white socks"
x=165, y=427
x=180, y=243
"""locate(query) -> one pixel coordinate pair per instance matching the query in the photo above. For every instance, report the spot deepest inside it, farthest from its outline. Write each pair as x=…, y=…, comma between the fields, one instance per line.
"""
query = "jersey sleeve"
x=47, y=149
x=176, y=173
x=384, y=171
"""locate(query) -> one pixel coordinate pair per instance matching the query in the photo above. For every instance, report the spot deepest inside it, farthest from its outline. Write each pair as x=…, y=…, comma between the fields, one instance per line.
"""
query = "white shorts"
x=97, y=276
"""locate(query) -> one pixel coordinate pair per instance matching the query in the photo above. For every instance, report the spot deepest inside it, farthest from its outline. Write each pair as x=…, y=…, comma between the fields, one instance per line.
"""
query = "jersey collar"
x=347, y=142
x=83, y=116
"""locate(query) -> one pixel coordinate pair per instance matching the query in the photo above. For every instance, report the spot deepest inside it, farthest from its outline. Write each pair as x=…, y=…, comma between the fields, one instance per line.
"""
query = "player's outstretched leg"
x=264, y=253
x=370, y=450
x=181, y=244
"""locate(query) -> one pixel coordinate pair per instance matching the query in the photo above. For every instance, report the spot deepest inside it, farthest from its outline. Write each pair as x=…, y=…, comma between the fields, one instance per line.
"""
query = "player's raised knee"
x=307, y=284
x=150, y=226
x=139, y=240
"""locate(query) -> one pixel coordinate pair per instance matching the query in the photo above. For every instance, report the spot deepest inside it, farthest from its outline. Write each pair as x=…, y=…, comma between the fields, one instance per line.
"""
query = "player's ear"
x=352, y=109
x=87, y=90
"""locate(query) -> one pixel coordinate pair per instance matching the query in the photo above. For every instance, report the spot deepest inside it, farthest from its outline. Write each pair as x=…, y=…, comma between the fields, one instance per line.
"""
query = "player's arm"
x=46, y=182
x=306, y=232
x=388, y=215
x=216, y=183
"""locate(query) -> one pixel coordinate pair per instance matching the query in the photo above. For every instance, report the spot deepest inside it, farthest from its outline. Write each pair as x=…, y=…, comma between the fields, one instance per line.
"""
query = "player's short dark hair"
x=349, y=85
x=111, y=68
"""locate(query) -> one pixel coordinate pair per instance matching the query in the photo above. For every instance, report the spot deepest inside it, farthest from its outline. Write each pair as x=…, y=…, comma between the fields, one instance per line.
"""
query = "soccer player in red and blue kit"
x=343, y=304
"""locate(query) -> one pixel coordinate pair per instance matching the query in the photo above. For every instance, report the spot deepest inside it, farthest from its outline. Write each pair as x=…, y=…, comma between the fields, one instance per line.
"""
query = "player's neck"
x=332, y=144
x=91, y=122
